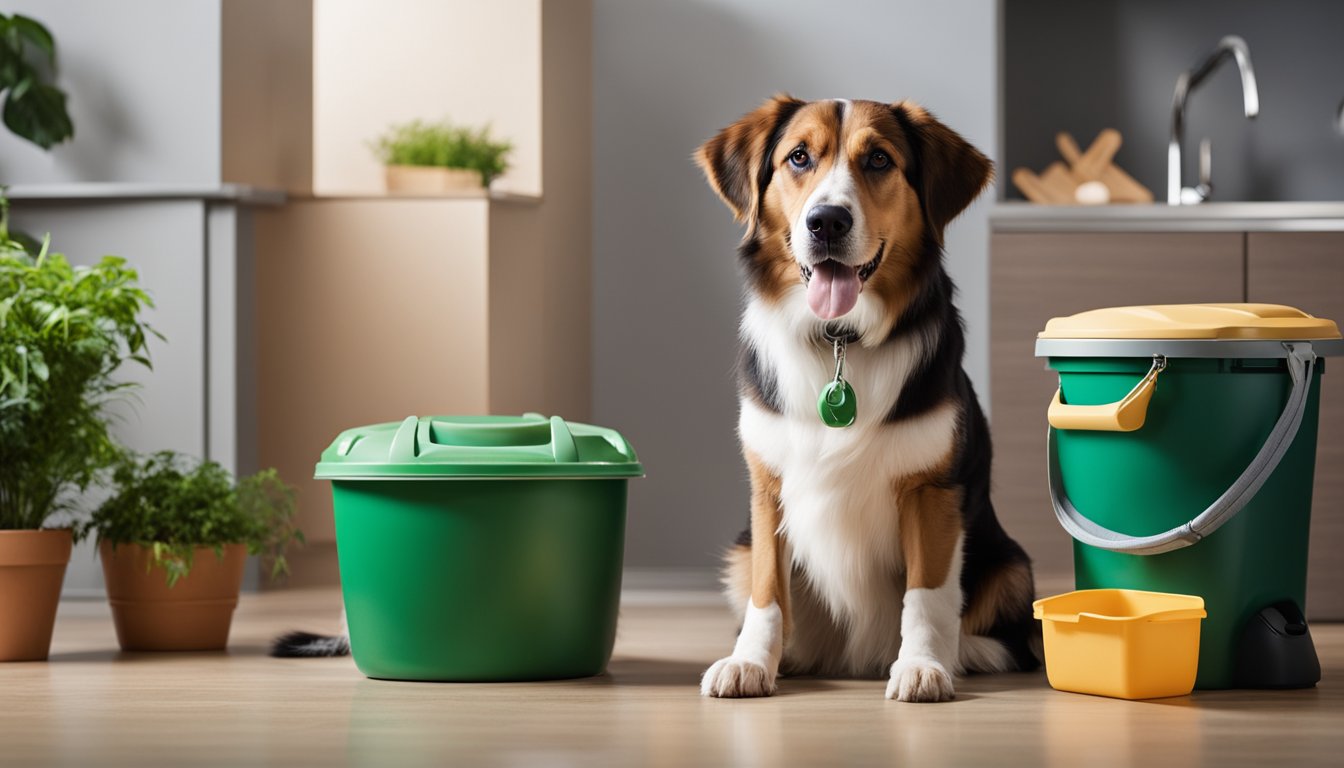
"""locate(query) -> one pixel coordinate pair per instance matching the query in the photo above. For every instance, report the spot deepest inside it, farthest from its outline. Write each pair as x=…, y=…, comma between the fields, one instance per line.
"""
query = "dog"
x=873, y=549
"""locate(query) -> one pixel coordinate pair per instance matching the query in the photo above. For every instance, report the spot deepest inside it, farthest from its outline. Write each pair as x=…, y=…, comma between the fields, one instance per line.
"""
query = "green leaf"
x=39, y=367
x=39, y=116
x=25, y=241
x=33, y=31
x=57, y=314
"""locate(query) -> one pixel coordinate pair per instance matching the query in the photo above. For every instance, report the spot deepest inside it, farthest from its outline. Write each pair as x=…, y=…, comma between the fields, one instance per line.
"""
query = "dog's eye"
x=799, y=158
x=878, y=160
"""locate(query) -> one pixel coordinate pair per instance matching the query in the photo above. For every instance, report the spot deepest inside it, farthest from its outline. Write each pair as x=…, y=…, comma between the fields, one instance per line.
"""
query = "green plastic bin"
x=483, y=548
x=1182, y=445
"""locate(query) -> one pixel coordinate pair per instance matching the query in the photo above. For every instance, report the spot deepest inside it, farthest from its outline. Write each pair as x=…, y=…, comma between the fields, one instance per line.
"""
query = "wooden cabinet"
x=1306, y=270
x=1037, y=276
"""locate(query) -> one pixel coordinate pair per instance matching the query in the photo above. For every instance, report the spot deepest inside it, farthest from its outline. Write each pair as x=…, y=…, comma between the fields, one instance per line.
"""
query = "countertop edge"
x=1210, y=217
x=509, y=198
x=83, y=191
x=244, y=194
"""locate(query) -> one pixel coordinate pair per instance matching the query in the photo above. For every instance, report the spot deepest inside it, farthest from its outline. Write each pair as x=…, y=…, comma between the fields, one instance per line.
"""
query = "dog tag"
x=837, y=405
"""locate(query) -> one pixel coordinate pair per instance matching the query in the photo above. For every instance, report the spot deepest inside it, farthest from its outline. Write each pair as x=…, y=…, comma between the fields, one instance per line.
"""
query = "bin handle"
x=1124, y=415
x=405, y=443
x=1301, y=363
x=563, y=447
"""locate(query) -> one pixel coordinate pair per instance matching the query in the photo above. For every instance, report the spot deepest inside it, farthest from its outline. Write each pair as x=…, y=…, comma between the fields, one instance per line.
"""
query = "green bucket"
x=1183, y=463
x=483, y=548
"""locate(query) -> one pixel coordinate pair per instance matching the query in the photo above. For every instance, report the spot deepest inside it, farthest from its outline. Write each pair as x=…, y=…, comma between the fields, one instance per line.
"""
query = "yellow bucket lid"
x=1192, y=321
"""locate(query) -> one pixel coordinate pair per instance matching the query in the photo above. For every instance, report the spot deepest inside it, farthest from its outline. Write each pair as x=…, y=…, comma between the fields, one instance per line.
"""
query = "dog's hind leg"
x=998, y=613
x=752, y=668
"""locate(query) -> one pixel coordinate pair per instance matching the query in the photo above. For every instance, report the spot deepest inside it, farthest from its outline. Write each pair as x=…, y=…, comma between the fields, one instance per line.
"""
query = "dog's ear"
x=737, y=160
x=950, y=173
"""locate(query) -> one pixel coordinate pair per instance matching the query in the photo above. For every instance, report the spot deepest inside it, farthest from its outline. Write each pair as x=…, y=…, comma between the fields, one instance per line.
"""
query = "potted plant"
x=440, y=158
x=173, y=540
x=63, y=333
x=34, y=108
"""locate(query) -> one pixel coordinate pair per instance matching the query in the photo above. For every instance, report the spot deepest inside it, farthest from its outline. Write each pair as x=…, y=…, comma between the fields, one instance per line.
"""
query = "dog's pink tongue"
x=833, y=291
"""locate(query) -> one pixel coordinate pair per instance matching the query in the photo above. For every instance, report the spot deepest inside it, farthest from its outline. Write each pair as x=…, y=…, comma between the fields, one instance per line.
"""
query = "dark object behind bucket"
x=1276, y=650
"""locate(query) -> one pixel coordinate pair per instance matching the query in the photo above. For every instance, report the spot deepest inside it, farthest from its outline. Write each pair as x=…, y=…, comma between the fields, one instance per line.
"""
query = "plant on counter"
x=64, y=331
x=444, y=145
x=34, y=108
x=174, y=506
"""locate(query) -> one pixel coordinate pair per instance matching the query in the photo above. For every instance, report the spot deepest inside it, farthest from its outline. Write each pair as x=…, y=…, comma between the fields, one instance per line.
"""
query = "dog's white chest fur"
x=838, y=485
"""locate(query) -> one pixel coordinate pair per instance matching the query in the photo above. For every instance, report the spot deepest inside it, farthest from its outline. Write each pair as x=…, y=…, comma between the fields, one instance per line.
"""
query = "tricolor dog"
x=873, y=549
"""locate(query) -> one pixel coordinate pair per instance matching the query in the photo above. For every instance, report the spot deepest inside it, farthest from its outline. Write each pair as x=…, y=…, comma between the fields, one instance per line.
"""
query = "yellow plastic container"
x=1121, y=642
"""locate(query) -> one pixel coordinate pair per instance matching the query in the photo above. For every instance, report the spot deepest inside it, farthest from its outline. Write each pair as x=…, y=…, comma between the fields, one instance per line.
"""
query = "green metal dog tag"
x=837, y=405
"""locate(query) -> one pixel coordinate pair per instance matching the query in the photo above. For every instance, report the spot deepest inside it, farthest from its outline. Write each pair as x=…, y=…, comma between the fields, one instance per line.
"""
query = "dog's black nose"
x=829, y=222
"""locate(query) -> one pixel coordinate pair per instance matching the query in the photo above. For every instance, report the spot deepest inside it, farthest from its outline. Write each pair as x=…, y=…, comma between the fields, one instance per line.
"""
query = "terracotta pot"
x=425, y=180
x=193, y=615
x=32, y=568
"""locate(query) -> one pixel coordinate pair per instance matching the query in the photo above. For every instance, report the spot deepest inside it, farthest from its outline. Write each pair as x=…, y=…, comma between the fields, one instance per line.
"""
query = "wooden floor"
x=90, y=705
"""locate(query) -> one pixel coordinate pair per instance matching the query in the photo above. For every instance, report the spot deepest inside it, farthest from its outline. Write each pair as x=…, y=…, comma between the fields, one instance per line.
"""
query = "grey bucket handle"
x=1301, y=363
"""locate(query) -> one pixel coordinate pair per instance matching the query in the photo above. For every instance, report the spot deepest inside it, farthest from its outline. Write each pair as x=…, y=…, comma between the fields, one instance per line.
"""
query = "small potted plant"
x=440, y=158
x=63, y=333
x=174, y=539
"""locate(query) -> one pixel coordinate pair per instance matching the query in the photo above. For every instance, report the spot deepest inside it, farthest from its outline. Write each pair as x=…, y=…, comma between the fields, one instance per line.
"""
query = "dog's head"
x=845, y=202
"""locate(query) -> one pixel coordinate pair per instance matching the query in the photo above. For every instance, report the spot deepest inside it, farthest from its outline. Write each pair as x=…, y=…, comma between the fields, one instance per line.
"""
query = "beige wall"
x=398, y=60
x=267, y=93
x=541, y=253
x=356, y=327
x=567, y=211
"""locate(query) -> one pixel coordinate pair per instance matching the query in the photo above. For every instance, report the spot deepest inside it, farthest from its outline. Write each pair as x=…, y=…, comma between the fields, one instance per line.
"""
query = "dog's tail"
x=309, y=645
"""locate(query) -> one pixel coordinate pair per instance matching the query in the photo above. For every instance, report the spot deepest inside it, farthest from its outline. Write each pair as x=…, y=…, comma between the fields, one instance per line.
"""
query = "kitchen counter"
x=141, y=191
x=1018, y=216
x=242, y=194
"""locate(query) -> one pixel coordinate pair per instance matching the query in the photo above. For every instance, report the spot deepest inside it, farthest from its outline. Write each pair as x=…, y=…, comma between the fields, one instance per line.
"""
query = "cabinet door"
x=1306, y=270
x=1037, y=276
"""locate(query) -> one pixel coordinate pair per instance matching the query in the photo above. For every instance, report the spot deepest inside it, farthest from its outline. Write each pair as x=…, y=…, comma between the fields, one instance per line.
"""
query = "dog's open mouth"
x=833, y=288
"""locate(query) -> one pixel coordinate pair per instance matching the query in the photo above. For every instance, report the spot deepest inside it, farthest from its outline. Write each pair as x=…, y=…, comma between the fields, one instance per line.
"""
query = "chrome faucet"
x=1230, y=46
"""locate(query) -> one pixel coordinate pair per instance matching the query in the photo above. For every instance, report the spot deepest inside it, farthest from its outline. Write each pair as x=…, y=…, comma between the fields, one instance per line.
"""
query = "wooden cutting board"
x=1058, y=184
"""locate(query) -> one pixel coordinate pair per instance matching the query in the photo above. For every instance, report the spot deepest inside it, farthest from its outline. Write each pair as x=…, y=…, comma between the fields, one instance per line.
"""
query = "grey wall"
x=143, y=80
x=666, y=290
x=1082, y=67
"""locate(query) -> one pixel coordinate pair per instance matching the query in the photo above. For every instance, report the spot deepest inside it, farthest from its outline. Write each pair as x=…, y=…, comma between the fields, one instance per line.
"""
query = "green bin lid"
x=465, y=447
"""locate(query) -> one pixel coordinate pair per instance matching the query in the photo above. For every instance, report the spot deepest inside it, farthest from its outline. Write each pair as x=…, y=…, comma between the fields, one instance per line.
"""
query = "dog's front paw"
x=919, y=680
x=735, y=677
